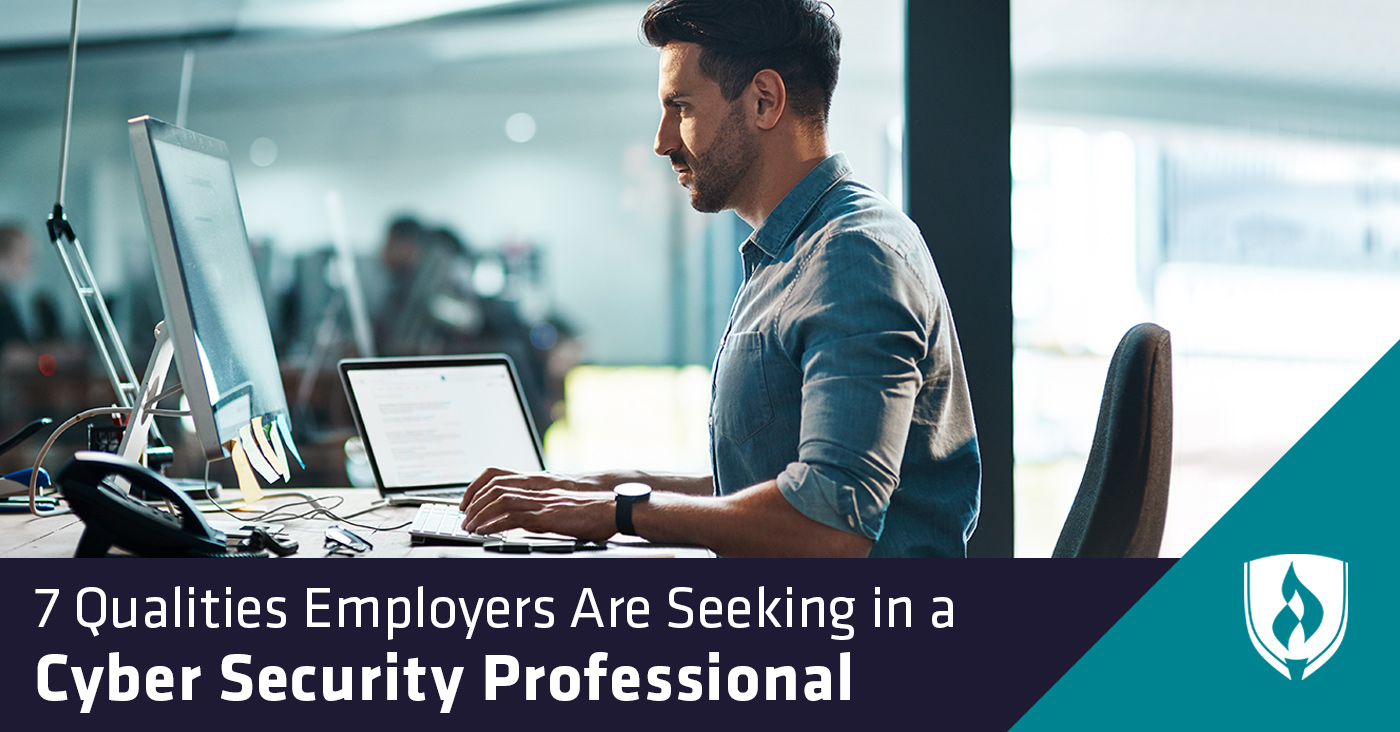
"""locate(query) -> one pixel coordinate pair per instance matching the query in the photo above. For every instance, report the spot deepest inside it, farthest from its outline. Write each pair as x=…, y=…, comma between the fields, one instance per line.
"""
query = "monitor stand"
x=143, y=406
x=144, y=412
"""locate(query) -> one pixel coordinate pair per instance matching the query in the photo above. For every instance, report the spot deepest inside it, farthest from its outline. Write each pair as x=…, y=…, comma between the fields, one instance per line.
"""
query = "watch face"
x=632, y=490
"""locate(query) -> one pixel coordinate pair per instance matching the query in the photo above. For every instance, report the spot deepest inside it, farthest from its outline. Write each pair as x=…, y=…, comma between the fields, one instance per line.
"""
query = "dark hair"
x=739, y=38
x=405, y=227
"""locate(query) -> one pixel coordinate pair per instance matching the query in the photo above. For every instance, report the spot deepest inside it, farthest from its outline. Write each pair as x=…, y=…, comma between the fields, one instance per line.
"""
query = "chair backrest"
x=1121, y=506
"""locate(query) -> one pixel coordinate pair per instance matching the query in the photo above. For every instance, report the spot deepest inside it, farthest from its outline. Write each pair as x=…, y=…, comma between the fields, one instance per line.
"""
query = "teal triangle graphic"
x=1182, y=658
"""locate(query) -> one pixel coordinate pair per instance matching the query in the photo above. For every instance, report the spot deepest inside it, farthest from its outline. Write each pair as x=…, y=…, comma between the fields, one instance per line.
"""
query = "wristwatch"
x=627, y=494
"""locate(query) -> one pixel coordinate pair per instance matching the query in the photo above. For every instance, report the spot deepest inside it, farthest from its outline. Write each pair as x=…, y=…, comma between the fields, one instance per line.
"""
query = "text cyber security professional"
x=840, y=371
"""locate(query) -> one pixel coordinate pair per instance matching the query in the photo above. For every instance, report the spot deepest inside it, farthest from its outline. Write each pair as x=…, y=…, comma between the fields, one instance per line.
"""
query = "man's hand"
x=755, y=522
x=696, y=485
x=498, y=478
x=501, y=505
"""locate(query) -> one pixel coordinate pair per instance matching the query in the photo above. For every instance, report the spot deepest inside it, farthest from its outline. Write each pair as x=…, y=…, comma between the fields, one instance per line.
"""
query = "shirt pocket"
x=742, y=407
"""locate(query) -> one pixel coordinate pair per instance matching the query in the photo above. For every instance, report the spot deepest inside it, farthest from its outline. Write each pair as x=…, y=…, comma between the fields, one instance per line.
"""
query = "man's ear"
x=771, y=94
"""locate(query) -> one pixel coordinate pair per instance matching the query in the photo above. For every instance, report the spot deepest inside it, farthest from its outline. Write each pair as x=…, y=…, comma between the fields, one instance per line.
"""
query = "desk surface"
x=25, y=535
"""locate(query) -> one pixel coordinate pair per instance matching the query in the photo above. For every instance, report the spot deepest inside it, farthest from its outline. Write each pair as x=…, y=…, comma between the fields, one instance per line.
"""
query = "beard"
x=724, y=166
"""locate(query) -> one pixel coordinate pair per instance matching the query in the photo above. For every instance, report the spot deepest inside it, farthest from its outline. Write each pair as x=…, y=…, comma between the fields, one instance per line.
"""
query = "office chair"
x=1121, y=506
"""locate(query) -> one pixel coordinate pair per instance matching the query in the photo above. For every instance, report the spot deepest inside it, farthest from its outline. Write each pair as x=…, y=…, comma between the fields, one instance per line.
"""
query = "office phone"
x=113, y=517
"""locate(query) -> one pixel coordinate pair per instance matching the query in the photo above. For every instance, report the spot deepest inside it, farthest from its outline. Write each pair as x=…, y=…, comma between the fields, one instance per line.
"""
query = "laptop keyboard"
x=438, y=522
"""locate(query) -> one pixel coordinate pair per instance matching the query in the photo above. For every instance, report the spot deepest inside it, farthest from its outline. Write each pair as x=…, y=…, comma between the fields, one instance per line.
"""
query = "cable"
x=172, y=391
x=269, y=515
x=318, y=508
x=48, y=444
x=256, y=554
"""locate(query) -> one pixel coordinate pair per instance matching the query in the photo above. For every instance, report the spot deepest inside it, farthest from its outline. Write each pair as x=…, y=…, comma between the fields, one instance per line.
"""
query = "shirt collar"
x=776, y=233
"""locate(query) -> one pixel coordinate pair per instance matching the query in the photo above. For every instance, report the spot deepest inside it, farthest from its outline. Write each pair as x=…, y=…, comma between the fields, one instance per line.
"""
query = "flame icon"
x=1287, y=620
x=1304, y=634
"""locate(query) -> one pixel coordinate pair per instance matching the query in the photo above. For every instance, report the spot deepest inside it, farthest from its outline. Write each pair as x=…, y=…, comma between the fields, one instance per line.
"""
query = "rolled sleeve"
x=823, y=494
x=858, y=341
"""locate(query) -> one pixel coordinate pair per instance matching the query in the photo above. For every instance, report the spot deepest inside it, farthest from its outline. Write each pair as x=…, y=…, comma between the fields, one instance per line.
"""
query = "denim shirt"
x=840, y=374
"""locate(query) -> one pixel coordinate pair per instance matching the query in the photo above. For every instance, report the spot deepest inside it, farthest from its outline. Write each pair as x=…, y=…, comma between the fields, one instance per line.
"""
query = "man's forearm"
x=695, y=485
x=757, y=522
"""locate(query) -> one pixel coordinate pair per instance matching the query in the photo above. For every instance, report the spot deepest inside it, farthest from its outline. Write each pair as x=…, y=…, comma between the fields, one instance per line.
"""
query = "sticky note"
x=287, y=438
x=247, y=482
x=255, y=456
x=273, y=457
x=276, y=437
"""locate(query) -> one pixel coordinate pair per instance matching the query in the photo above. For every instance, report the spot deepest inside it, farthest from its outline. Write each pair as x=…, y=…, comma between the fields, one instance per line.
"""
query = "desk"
x=25, y=535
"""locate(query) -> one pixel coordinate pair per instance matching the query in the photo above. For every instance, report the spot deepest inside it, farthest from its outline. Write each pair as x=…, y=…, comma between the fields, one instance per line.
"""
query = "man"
x=840, y=420
x=16, y=262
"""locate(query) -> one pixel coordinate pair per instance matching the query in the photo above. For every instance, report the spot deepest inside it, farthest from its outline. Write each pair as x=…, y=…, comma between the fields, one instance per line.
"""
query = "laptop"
x=431, y=425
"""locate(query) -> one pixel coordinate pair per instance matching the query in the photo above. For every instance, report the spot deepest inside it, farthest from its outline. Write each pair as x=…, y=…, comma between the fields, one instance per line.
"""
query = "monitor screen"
x=209, y=289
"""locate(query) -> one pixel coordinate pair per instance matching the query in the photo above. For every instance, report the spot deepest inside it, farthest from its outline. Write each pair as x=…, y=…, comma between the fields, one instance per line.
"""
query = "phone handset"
x=114, y=517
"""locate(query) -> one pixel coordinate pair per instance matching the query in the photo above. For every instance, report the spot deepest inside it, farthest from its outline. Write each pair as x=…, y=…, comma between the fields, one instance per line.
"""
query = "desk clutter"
x=94, y=514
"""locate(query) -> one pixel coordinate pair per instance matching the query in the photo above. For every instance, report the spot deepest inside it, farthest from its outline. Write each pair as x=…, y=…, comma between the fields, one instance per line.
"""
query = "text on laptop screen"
x=443, y=425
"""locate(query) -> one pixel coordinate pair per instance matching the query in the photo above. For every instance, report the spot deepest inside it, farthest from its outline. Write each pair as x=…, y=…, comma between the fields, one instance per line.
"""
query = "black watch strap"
x=625, y=496
x=624, y=517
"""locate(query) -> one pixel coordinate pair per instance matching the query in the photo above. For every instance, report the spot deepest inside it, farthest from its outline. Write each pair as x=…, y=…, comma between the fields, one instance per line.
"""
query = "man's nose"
x=666, y=139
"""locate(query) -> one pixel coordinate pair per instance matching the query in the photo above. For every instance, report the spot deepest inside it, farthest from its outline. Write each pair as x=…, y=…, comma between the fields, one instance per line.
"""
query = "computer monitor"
x=209, y=290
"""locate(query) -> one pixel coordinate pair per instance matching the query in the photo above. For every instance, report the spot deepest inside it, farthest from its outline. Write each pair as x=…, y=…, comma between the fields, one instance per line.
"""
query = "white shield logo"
x=1295, y=607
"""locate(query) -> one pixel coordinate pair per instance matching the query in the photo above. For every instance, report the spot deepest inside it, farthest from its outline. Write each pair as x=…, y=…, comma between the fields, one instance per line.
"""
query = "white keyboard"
x=438, y=522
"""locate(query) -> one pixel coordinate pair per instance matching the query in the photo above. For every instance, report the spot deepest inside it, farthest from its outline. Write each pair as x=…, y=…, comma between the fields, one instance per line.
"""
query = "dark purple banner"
x=950, y=644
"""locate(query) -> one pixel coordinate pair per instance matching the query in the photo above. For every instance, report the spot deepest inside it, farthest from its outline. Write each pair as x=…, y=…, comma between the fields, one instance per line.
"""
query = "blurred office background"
x=512, y=142
x=1229, y=170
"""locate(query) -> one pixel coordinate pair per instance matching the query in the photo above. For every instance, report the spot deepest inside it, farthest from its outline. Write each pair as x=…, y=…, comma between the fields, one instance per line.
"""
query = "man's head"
x=732, y=70
x=739, y=38
x=404, y=245
x=16, y=253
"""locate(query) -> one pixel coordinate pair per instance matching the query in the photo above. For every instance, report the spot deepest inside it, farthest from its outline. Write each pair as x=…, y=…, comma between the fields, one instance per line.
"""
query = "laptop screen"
x=439, y=422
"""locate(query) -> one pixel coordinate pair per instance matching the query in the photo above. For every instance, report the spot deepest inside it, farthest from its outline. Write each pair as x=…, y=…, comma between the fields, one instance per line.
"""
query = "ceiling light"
x=520, y=127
